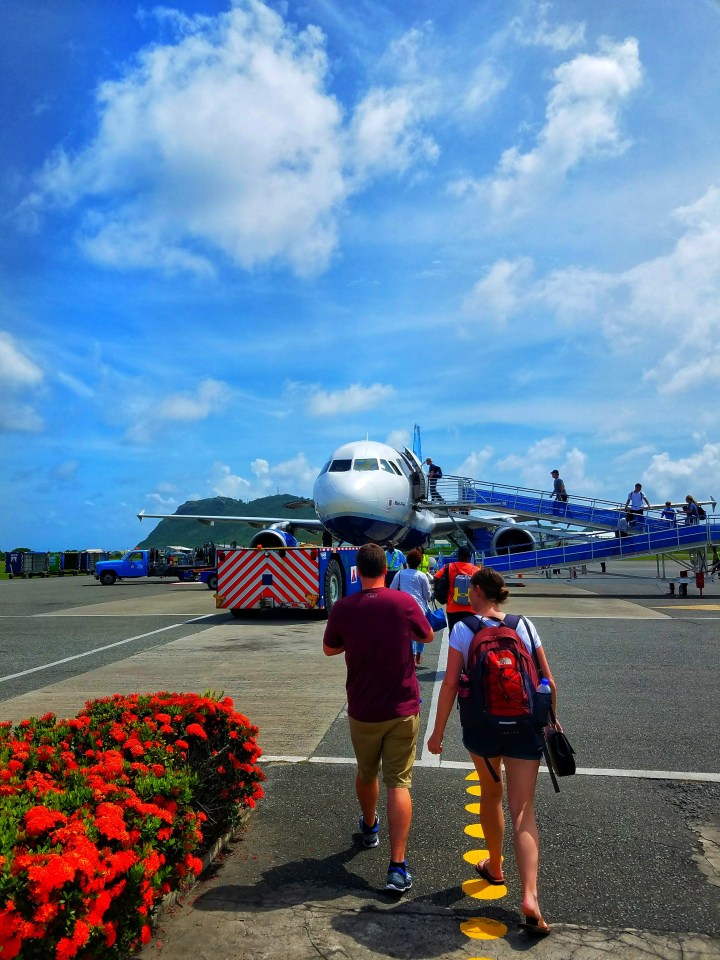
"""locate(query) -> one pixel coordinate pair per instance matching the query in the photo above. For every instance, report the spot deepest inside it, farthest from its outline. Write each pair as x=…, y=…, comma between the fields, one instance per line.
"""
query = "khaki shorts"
x=391, y=743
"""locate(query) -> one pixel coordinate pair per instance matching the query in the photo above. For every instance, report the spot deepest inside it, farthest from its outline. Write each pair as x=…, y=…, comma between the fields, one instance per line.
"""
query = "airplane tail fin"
x=417, y=443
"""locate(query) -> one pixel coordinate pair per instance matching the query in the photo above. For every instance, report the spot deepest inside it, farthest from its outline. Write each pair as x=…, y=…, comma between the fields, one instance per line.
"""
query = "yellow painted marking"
x=473, y=791
x=473, y=776
x=475, y=856
x=473, y=808
x=689, y=606
x=475, y=830
x=483, y=928
x=482, y=890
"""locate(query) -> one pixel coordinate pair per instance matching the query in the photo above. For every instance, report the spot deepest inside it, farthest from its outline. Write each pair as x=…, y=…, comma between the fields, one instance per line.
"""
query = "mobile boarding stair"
x=652, y=535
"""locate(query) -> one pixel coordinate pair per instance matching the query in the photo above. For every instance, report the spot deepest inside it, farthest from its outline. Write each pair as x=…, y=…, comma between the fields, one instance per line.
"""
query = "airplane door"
x=417, y=477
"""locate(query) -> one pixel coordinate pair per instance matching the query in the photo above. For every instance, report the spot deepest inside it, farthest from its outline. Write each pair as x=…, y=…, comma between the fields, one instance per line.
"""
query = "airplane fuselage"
x=366, y=493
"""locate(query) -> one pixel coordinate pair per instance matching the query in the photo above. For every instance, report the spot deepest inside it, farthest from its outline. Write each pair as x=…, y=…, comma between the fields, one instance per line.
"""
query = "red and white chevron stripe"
x=248, y=579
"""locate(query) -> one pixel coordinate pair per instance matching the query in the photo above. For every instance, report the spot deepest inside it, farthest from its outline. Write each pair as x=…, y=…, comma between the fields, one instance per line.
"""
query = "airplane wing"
x=259, y=522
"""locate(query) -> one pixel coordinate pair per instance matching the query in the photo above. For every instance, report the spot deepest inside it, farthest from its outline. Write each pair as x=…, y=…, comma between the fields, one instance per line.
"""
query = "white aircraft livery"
x=368, y=492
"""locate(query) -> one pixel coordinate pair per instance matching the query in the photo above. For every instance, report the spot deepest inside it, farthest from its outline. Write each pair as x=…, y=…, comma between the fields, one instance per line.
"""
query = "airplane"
x=370, y=492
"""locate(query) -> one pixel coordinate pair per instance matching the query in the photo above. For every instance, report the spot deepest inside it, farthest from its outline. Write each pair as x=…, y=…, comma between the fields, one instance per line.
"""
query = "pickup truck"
x=155, y=563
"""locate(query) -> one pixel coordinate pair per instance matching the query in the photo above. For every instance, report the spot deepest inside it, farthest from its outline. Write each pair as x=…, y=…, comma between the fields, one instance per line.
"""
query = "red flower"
x=40, y=819
x=195, y=730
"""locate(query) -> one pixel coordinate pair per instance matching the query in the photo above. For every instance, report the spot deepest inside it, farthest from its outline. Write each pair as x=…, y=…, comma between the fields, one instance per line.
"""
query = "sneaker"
x=370, y=834
x=399, y=879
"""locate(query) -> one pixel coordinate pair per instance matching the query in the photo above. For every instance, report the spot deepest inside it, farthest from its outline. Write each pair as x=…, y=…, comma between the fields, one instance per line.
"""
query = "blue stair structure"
x=650, y=535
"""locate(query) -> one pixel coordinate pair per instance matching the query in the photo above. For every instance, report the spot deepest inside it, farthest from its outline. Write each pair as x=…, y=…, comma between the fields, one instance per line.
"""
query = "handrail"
x=464, y=492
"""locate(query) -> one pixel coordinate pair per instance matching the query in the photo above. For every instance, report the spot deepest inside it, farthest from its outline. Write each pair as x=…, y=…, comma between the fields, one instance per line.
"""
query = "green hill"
x=191, y=533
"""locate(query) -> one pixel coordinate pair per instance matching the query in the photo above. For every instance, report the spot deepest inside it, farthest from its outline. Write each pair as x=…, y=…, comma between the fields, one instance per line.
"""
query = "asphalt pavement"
x=630, y=857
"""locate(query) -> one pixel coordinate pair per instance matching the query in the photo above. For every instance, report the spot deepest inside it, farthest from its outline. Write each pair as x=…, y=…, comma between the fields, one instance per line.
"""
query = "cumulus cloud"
x=475, y=464
x=226, y=141
x=329, y=403
x=696, y=474
x=295, y=476
x=499, y=292
x=536, y=30
x=659, y=318
x=211, y=396
x=19, y=377
x=582, y=122
x=533, y=467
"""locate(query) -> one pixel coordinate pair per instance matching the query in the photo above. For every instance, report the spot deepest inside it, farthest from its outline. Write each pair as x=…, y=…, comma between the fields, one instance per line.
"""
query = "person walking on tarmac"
x=456, y=576
x=373, y=628
x=395, y=560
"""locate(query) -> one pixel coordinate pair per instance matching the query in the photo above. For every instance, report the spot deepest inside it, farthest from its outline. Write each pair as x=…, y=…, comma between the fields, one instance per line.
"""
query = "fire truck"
x=289, y=578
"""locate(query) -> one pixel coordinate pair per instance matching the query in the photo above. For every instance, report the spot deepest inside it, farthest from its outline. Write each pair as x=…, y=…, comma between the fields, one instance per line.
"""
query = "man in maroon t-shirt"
x=375, y=629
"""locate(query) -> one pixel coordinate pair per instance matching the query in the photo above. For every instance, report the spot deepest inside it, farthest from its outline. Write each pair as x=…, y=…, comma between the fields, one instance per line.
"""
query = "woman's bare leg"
x=521, y=776
x=491, y=812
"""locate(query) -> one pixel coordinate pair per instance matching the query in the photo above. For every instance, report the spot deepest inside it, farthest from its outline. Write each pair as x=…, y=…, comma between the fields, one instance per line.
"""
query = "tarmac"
x=630, y=865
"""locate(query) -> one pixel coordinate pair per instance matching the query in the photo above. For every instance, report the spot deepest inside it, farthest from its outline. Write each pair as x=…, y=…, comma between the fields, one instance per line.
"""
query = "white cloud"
x=74, y=385
x=210, y=397
x=535, y=30
x=330, y=403
x=674, y=478
x=475, y=464
x=385, y=136
x=581, y=123
x=532, y=468
x=294, y=476
x=226, y=141
x=499, y=291
x=398, y=439
x=659, y=320
x=20, y=377
x=16, y=369
x=225, y=483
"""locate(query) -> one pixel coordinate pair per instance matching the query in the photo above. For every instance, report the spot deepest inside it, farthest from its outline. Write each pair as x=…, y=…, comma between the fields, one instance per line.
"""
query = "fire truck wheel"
x=333, y=585
x=237, y=612
x=212, y=581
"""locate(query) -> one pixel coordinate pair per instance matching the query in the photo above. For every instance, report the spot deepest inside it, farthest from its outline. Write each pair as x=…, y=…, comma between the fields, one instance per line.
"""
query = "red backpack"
x=497, y=687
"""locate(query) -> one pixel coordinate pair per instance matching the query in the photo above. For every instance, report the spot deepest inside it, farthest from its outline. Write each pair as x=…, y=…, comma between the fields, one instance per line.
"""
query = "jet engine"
x=273, y=537
x=512, y=539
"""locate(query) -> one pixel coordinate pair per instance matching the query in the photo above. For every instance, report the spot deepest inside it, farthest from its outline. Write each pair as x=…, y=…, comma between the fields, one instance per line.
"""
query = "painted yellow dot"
x=475, y=856
x=483, y=928
x=482, y=890
x=473, y=776
x=473, y=808
x=475, y=830
x=474, y=791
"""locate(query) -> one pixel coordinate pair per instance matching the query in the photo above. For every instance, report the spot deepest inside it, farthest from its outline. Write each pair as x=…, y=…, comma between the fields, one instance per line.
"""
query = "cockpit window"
x=325, y=468
x=340, y=466
x=369, y=463
x=384, y=465
x=396, y=468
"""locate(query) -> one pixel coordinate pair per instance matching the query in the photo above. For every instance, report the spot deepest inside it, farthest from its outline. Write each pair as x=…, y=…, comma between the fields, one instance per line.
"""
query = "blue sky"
x=236, y=236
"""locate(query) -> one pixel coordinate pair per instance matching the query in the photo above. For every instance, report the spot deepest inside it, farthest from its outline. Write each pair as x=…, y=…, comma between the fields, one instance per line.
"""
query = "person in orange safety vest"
x=458, y=573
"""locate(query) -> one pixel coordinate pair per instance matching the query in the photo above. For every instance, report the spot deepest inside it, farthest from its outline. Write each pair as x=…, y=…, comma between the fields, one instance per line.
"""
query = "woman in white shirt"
x=521, y=760
x=415, y=583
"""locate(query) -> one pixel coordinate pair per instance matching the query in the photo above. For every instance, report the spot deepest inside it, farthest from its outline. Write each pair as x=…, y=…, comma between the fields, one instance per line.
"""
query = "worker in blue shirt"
x=395, y=561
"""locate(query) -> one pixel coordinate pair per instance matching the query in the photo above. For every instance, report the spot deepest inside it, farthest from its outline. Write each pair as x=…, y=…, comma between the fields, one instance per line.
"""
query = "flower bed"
x=104, y=814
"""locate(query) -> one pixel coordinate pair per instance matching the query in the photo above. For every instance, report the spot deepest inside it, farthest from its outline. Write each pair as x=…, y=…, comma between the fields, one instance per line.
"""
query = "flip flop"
x=486, y=875
x=535, y=926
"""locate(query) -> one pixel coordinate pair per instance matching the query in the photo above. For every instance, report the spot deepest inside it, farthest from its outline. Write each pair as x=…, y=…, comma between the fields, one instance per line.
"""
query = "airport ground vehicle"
x=290, y=578
x=185, y=564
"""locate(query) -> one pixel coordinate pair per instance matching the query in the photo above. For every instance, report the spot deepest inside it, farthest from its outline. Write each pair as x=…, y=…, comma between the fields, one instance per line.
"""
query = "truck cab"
x=132, y=564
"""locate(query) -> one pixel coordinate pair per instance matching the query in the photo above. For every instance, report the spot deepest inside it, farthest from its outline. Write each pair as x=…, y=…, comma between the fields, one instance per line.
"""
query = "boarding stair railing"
x=458, y=494
x=668, y=540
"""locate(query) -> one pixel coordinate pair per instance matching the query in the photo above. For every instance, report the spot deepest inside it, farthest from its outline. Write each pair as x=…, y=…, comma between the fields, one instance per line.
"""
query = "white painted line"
x=428, y=759
x=467, y=765
x=108, y=646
